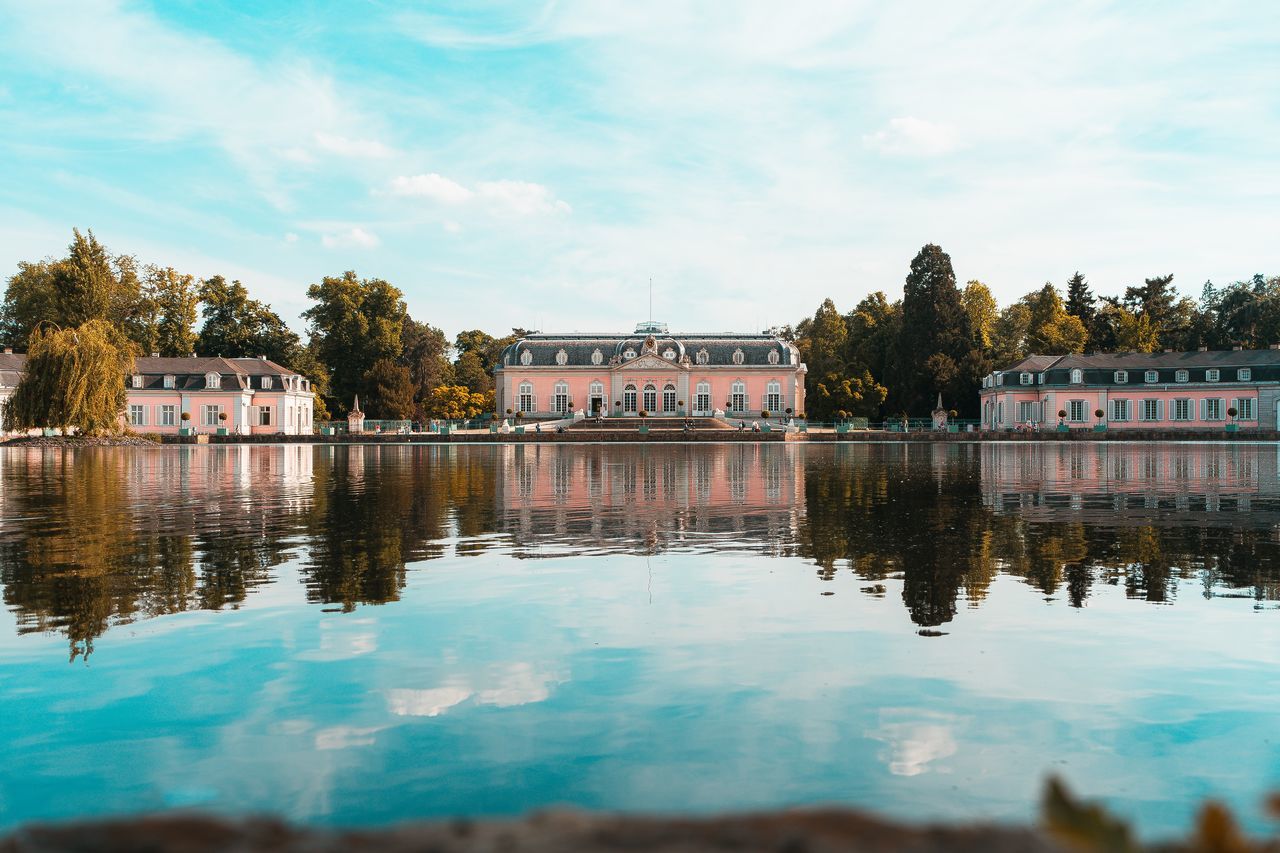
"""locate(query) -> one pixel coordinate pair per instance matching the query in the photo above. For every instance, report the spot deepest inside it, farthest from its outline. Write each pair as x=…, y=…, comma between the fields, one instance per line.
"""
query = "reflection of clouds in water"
x=345, y=737
x=914, y=739
x=338, y=641
x=504, y=686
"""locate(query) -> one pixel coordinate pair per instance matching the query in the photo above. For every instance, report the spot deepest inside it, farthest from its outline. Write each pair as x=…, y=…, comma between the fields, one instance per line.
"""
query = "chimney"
x=155, y=355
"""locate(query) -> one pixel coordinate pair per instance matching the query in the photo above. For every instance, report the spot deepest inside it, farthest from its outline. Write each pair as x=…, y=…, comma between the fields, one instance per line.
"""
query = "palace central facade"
x=552, y=376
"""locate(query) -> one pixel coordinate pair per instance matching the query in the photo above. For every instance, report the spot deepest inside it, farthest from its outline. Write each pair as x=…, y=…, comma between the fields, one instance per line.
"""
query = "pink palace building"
x=258, y=396
x=1169, y=390
x=618, y=375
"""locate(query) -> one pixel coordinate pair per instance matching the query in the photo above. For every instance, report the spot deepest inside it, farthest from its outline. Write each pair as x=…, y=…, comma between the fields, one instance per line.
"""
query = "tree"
x=354, y=324
x=236, y=326
x=74, y=379
x=426, y=355
x=169, y=303
x=983, y=313
x=1050, y=329
x=1125, y=331
x=1080, y=301
x=934, y=323
x=388, y=390
x=88, y=284
x=457, y=402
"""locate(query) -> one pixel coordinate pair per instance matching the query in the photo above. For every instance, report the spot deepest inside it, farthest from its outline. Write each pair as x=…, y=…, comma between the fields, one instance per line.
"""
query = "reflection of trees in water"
x=920, y=513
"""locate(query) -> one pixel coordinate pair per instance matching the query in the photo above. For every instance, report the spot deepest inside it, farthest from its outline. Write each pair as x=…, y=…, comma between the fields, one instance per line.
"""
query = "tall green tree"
x=936, y=352
x=354, y=324
x=426, y=355
x=236, y=326
x=74, y=379
x=169, y=301
x=983, y=312
x=1080, y=301
x=389, y=391
x=1051, y=330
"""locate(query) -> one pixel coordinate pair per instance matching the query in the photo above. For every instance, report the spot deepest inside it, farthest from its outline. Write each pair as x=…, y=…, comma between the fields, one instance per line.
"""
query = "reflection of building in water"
x=656, y=497
x=1122, y=483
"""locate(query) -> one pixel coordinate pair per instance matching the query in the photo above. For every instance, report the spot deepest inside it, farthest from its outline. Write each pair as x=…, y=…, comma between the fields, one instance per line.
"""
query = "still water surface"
x=370, y=634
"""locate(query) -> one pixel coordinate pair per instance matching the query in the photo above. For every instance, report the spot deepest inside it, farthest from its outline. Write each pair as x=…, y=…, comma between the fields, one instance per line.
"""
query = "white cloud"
x=351, y=238
x=344, y=147
x=911, y=137
x=521, y=197
x=432, y=186
x=291, y=237
x=914, y=739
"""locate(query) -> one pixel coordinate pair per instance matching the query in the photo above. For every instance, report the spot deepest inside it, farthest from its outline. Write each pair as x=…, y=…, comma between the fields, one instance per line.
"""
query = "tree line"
x=885, y=358
x=83, y=318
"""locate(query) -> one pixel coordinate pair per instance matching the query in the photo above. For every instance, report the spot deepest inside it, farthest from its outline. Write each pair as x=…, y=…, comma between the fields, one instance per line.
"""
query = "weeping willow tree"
x=74, y=379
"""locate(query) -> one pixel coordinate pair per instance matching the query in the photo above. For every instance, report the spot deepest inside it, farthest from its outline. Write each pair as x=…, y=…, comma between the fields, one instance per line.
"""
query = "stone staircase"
x=654, y=424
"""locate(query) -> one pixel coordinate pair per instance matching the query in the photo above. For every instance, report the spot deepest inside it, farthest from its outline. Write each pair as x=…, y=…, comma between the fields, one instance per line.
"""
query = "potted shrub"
x=644, y=427
x=1062, y=421
x=764, y=413
x=617, y=407
x=1231, y=413
x=680, y=408
x=519, y=415
x=185, y=429
x=951, y=416
x=841, y=417
x=222, y=423
x=1099, y=426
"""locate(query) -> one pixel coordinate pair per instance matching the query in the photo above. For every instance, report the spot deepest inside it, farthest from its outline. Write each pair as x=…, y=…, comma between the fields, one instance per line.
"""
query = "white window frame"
x=1247, y=408
x=526, y=401
x=526, y=358
x=1077, y=376
x=774, y=358
x=1244, y=374
x=669, y=398
x=1182, y=410
x=649, y=397
x=738, y=400
x=562, y=357
x=560, y=397
x=168, y=415
x=773, y=397
x=1076, y=413
x=596, y=389
x=629, y=354
x=703, y=357
x=137, y=414
x=136, y=380
x=669, y=354
x=170, y=381
x=597, y=357
x=266, y=383
x=999, y=379
x=209, y=414
x=1027, y=411
x=1212, y=374
x=264, y=416
x=1213, y=409
x=1120, y=409
x=702, y=400
x=630, y=398
x=739, y=356
x=1151, y=377
x=1181, y=376
x=1121, y=377
x=1024, y=378
x=213, y=380
x=1150, y=410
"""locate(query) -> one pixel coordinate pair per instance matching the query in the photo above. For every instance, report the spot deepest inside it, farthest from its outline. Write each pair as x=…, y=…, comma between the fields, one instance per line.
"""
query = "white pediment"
x=649, y=363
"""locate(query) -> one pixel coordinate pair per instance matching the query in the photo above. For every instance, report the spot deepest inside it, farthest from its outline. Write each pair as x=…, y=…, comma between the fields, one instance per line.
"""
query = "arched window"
x=526, y=358
x=525, y=401
x=212, y=380
x=773, y=356
x=738, y=356
x=266, y=383
x=629, y=398
x=629, y=354
x=669, y=398
x=595, y=395
x=738, y=396
x=773, y=397
x=597, y=357
x=702, y=400
x=650, y=398
x=562, y=358
x=1077, y=376
x=669, y=354
x=703, y=357
x=560, y=397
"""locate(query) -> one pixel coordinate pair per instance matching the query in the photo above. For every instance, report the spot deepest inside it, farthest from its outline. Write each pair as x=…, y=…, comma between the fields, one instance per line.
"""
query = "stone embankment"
x=66, y=441
x=787, y=832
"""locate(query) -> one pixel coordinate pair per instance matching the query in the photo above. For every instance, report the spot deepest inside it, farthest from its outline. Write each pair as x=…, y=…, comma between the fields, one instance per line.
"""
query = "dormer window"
x=1244, y=374
x=1152, y=377
x=773, y=356
x=1181, y=376
x=170, y=381
x=212, y=380
x=562, y=358
x=1024, y=378
x=629, y=354
x=739, y=356
x=526, y=358
x=703, y=357
x=1121, y=377
x=1039, y=378
x=266, y=383
x=1211, y=375
x=669, y=354
x=1077, y=376
x=136, y=380
x=597, y=357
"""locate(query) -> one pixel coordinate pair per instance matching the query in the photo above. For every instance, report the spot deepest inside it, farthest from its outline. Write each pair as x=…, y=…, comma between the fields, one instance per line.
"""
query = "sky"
x=537, y=164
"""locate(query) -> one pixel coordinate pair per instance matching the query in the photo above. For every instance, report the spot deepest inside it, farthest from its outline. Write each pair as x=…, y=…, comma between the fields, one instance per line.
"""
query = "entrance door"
x=597, y=403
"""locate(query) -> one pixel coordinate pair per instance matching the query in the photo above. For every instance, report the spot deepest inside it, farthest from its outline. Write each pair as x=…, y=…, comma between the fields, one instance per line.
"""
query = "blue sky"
x=534, y=164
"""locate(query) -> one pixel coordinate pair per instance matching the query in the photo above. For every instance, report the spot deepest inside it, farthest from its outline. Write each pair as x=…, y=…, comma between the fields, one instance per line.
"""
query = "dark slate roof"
x=189, y=373
x=580, y=347
x=1148, y=360
x=1033, y=364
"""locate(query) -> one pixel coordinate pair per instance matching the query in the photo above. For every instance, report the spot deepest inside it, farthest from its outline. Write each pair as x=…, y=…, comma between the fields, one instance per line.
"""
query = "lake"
x=368, y=634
